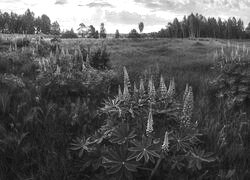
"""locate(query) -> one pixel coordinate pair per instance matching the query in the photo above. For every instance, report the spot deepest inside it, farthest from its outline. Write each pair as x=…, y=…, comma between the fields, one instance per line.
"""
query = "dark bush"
x=44, y=48
x=69, y=35
x=100, y=58
x=134, y=34
x=22, y=42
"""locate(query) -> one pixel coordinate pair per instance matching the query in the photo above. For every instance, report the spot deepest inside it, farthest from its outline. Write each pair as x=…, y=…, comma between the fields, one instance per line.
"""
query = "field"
x=124, y=109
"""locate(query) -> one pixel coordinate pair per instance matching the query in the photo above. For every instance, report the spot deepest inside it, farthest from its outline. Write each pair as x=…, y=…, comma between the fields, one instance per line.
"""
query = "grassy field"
x=185, y=60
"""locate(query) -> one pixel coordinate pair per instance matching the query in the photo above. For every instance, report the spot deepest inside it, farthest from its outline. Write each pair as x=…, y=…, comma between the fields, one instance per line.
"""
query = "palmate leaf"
x=197, y=156
x=144, y=149
x=183, y=143
x=122, y=134
x=117, y=163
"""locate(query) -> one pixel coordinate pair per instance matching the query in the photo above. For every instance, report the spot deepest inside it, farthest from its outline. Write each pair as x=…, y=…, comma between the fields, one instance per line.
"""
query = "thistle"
x=162, y=88
x=150, y=122
x=165, y=144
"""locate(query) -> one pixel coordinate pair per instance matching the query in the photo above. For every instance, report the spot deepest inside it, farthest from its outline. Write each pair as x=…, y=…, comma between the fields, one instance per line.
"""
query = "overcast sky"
x=126, y=14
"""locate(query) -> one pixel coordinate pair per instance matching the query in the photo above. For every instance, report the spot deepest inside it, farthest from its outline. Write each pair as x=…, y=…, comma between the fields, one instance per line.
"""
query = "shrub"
x=133, y=34
x=100, y=58
x=43, y=48
x=144, y=129
x=69, y=35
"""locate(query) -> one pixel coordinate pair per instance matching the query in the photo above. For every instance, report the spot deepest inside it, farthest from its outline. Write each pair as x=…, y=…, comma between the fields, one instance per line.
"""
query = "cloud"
x=129, y=18
x=99, y=4
x=186, y=6
x=61, y=2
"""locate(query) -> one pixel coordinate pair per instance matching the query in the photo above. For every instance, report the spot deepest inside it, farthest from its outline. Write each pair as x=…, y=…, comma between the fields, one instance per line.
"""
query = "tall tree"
x=55, y=28
x=82, y=29
x=117, y=34
x=45, y=24
x=141, y=26
x=102, y=31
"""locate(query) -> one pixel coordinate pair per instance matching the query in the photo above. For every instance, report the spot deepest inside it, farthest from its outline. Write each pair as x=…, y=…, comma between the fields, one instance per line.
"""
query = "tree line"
x=199, y=26
x=27, y=23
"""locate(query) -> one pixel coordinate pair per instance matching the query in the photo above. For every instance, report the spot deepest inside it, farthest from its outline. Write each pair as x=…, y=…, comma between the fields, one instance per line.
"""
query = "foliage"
x=69, y=34
x=117, y=34
x=102, y=31
x=133, y=34
x=145, y=121
x=100, y=58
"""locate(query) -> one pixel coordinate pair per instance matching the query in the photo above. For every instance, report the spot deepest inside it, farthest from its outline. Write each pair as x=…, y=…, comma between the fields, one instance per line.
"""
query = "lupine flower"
x=87, y=60
x=163, y=88
x=150, y=122
x=126, y=78
x=141, y=89
x=120, y=93
x=80, y=54
x=67, y=52
x=171, y=89
x=62, y=52
x=186, y=92
x=188, y=108
x=58, y=70
x=165, y=144
x=135, y=94
x=151, y=89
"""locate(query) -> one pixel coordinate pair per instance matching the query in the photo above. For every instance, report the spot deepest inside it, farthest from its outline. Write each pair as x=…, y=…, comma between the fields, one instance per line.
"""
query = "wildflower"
x=150, y=122
x=188, y=108
x=186, y=92
x=120, y=93
x=163, y=88
x=171, y=89
x=165, y=144
x=135, y=94
x=126, y=78
x=58, y=70
x=151, y=89
x=142, y=89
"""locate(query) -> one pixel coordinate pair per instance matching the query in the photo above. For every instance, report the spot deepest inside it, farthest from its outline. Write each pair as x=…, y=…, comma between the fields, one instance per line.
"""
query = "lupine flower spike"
x=186, y=92
x=119, y=93
x=142, y=89
x=150, y=122
x=188, y=108
x=126, y=94
x=163, y=88
x=171, y=89
x=126, y=78
x=135, y=94
x=165, y=145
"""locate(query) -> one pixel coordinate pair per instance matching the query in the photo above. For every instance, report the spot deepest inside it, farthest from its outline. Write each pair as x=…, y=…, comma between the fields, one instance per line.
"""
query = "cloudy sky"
x=126, y=14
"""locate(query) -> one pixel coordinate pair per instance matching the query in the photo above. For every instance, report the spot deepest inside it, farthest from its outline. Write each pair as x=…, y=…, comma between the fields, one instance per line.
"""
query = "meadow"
x=124, y=109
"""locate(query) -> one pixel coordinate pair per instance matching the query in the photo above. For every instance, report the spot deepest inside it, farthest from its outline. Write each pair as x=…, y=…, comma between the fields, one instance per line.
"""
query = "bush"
x=22, y=42
x=134, y=34
x=44, y=48
x=100, y=58
x=69, y=35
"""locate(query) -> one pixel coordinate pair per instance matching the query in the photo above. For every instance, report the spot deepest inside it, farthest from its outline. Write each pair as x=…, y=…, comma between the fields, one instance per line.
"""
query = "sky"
x=125, y=15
